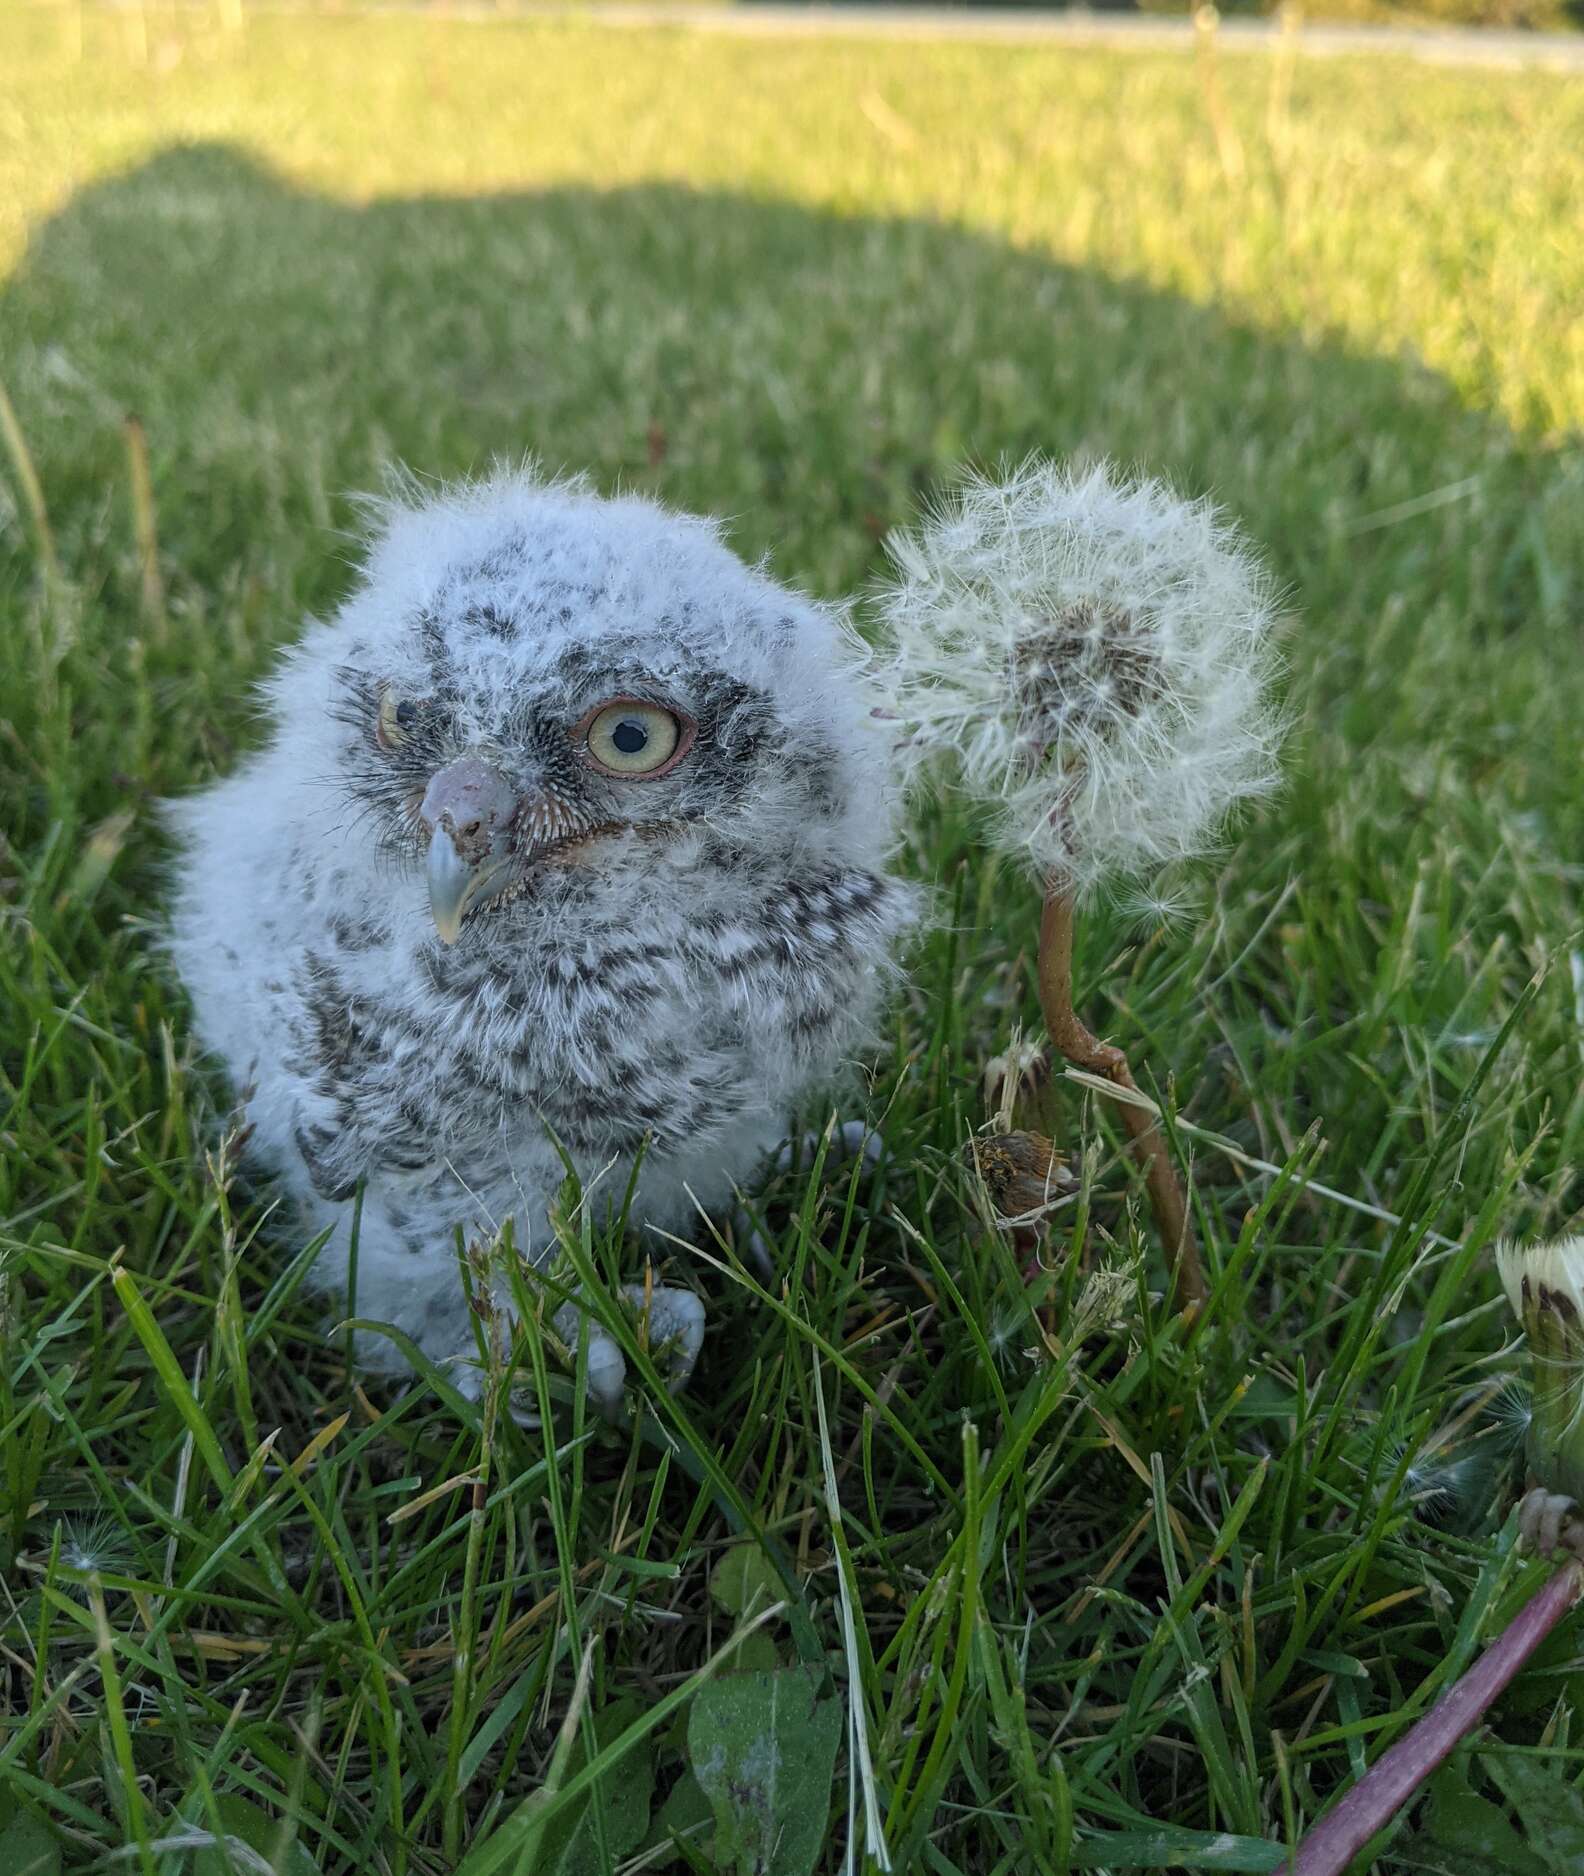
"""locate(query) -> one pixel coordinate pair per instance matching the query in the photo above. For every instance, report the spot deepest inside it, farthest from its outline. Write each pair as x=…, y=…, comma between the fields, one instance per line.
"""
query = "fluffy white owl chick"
x=572, y=828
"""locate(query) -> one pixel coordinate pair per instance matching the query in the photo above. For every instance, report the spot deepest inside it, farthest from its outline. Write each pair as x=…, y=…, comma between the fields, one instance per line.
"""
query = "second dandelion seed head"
x=1087, y=657
x=1545, y=1286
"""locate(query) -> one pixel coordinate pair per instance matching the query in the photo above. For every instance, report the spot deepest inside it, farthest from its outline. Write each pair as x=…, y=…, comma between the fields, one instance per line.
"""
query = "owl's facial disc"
x=488, y=830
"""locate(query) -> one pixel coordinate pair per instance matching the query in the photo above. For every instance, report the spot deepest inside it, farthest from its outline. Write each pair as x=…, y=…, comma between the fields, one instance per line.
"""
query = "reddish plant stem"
x=1392, y=1781
x=1086, y=1051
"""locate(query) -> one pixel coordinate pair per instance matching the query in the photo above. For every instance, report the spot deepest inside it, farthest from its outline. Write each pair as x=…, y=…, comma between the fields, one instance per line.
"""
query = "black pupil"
x=406, y=715
x=629, y=736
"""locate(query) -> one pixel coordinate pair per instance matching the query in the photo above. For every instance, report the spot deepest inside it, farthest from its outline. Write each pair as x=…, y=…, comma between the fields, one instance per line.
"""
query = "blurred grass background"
x=248, y=261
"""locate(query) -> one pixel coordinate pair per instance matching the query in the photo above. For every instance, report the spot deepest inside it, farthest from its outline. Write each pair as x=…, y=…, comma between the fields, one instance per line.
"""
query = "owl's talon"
x=674, y=1332
x=850, y=1139
x=868, y=1142
x=675, y=1327
x=1542, y=1519
x=470, y=1381
x=755, y=1247
x=605, y=1372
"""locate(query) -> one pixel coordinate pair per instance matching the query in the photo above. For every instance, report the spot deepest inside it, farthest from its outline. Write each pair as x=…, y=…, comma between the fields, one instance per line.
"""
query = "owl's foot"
x=671, y=1326
x=851, y=1139
x=1548, y=1522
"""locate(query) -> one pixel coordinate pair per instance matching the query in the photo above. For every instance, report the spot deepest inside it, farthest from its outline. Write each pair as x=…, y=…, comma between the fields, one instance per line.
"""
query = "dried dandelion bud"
x=1089, y=658
x=1023, y=1174
x=1019, y=1074
x=1545, y=1285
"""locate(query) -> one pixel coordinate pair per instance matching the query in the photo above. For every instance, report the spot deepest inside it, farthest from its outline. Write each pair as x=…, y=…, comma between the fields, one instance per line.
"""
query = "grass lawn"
x=1112, y=1580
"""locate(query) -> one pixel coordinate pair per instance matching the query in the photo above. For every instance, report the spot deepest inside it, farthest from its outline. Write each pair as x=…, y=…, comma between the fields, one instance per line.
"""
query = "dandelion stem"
x=1084, y=1050
x=144, y=526
x=1388, y=1785
x=32, y=490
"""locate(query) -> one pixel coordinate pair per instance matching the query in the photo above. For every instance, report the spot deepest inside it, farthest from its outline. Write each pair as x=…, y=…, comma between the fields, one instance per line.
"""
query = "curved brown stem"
x=1086, y=1051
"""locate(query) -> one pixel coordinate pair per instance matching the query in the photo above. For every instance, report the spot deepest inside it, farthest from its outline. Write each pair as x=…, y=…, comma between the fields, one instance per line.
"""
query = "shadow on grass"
x=804, y=372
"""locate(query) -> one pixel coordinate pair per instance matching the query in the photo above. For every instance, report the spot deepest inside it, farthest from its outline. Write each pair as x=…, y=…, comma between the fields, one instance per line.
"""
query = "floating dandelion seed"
x=1156, y=906
x=1511, y=1412
x=1088, y=657
x=91, y=1545
x=1433, y=1485
x=1009, y=1336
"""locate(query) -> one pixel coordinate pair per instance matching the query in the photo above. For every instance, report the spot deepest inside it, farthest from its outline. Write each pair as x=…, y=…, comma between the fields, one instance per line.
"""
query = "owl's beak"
x=468, y=808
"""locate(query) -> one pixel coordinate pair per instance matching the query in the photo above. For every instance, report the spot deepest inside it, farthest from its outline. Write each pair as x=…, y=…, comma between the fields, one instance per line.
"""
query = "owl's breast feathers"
x=666, y=1029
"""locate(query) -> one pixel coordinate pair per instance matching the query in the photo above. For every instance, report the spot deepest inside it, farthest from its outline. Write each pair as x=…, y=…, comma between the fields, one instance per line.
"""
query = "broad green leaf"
x=1176, y=1849
x=757, y=1653
x=1549, y=1804
x=763, y=1747
x=524, y=1830
x=242, y=1819
x=744, y=1581
x=572, y=1845
x=1464, y=1834
x=28, y=1847
x=686, y=1813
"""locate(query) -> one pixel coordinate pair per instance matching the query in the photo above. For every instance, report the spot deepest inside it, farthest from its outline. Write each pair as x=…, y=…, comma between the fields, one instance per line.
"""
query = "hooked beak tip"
x=453, y=885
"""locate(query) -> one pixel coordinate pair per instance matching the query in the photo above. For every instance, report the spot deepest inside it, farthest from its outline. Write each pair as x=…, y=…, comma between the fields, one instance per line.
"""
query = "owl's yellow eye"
x=397, y=716
x=636, y=739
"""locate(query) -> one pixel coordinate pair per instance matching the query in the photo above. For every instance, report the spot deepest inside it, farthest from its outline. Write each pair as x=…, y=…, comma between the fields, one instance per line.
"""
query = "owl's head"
x=532, y=682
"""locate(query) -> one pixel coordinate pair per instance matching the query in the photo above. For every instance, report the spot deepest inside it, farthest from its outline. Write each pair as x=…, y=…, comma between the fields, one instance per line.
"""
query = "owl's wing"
x=809, y=967
x=359, y=1101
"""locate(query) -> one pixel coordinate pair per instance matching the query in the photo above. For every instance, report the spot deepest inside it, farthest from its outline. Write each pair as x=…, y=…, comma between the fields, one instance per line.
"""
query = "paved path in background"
x=991, y=25
x=1013, y=25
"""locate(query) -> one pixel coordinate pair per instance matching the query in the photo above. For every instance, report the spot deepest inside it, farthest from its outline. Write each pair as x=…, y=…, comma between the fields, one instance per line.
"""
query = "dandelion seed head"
x=1089, y=657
